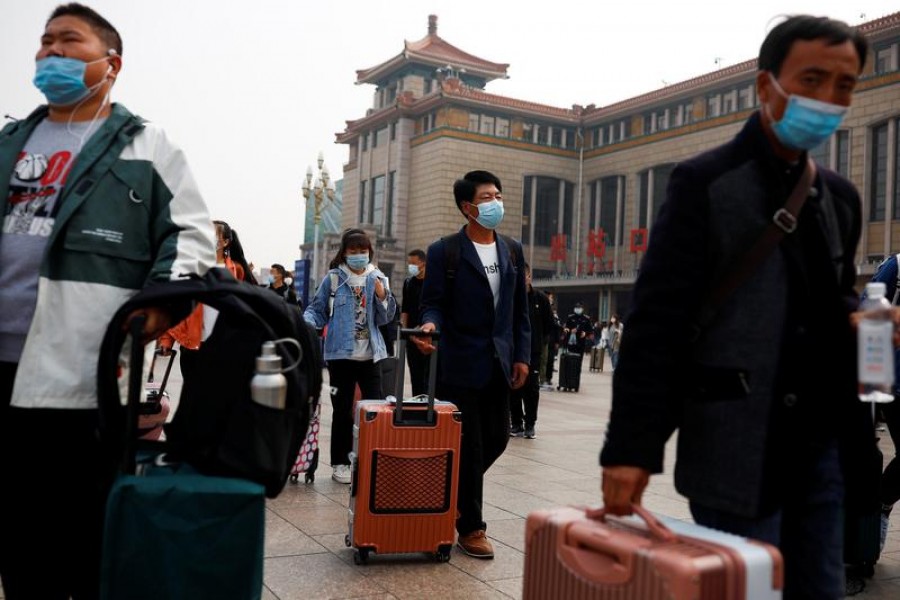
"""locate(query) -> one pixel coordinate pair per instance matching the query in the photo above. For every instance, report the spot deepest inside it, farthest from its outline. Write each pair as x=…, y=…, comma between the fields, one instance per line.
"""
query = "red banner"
x=596, y=247
x=558, y=247
x=638, y=240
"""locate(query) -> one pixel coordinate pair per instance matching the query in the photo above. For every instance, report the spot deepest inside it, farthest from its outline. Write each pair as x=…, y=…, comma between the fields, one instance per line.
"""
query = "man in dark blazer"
x=764, y=395
x=474, y=295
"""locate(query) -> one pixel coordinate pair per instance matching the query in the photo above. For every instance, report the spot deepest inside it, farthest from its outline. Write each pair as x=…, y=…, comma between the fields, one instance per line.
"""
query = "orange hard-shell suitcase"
x=405, y=466
x=580, y=554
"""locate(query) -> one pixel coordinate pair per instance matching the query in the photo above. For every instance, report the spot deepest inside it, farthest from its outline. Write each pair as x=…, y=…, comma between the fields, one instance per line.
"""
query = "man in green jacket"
x=97, y=204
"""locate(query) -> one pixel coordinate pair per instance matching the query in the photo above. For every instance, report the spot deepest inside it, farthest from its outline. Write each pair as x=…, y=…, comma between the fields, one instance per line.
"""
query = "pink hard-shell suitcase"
x=582, y=554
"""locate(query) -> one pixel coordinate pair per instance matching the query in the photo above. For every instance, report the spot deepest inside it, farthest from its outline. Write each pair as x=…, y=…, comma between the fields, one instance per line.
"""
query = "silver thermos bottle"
x=268, y=386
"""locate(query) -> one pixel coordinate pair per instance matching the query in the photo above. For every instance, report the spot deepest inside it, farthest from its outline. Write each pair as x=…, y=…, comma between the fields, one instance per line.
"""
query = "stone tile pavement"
x=305, y=555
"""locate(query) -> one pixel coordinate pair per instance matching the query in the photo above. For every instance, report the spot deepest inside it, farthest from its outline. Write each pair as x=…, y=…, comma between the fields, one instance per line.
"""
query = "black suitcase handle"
x=162, y=386
x=135, y=391
x=404, y=334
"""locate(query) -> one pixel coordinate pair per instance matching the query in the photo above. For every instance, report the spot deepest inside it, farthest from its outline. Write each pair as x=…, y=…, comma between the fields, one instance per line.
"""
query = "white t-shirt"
x=362, y=348
x=491, y=262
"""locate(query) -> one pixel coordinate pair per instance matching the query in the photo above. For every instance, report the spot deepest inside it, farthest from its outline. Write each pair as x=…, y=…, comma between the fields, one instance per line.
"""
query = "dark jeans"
x=551, y=362
x=345, y=375
x=485, y=433
x=418, y=369
x=51, y=507
x=890, y=480
x=809, y=528
x=528, y=396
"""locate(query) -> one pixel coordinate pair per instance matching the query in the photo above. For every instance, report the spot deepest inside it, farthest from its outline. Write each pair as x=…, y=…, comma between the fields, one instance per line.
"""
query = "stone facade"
x=606, y=160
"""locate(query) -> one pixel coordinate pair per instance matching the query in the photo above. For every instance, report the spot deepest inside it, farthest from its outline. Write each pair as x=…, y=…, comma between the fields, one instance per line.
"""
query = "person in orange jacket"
x=230, y=255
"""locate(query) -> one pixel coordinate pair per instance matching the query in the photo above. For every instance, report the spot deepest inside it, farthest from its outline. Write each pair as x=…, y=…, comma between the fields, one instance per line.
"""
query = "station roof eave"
x=434, y=51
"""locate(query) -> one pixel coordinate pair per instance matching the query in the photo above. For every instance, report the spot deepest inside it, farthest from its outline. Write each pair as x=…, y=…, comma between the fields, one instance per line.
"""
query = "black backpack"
x=218, y=429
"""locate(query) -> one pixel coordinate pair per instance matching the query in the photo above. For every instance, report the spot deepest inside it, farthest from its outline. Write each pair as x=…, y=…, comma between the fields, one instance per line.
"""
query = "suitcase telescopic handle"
x=403, y=334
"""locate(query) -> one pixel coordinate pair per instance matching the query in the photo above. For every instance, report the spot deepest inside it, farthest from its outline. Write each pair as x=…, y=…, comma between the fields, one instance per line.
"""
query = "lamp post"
x=320, y=191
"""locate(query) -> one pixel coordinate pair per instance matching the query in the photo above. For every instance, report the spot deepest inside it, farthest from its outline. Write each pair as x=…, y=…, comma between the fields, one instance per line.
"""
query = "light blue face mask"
x=413, y=270
x=490, y=214
x=61, y=79
x=357, y=262
x=806, y=123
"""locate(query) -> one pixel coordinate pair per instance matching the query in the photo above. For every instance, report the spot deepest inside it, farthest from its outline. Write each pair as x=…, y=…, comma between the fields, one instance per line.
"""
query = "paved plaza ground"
x=306, y=557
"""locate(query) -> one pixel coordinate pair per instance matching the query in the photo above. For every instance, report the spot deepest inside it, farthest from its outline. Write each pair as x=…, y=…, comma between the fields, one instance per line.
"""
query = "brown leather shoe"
x=476, y=544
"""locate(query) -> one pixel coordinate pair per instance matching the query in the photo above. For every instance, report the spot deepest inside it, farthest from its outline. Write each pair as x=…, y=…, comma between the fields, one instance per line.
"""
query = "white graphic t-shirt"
x=362, y=349
x=488, y=255
x=31, y=207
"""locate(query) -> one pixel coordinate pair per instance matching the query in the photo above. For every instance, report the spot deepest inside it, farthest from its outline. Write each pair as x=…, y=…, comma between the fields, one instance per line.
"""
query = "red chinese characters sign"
x=596, y=244
x=638, y=240
x=558, y=247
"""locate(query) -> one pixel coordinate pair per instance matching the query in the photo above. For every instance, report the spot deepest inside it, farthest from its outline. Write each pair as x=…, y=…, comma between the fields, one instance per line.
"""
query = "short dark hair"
x=777, y=44
x=280, y=268
x=103, y=28
x=352, y=238
x=464, y=189
x=418, y=254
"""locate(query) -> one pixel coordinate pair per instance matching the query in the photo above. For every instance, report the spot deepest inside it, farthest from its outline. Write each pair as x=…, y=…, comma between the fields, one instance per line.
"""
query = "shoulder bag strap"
x=784, y=221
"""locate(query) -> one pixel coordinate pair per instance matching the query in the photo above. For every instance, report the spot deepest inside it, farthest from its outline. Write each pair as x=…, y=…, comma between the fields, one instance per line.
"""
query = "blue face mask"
x=413, y=270
x=61, y=79
x=806, y=123
x=357, y=262
x=490, y=214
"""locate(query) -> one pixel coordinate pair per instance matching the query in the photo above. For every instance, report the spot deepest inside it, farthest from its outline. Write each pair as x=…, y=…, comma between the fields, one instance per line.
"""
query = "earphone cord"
x=91, y=127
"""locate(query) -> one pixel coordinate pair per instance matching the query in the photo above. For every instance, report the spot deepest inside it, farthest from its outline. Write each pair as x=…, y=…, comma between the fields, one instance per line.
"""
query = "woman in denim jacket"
x=353, y=300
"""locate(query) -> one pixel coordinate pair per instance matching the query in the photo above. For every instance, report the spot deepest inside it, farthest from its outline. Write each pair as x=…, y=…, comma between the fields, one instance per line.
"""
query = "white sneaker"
x=341, y=473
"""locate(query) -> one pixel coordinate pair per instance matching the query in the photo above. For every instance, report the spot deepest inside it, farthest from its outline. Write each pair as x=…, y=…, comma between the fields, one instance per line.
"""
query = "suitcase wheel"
x=443, y=553
x=309, y=478
x=294, y=477
x=347, y=540
x=361, y=556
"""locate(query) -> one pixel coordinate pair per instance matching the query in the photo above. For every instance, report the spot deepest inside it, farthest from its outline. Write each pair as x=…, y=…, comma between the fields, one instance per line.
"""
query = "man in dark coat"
x=764, y=397
x=481, y=312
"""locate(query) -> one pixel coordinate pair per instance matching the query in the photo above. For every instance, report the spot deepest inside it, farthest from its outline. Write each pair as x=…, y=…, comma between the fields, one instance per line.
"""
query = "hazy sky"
x=253, y=90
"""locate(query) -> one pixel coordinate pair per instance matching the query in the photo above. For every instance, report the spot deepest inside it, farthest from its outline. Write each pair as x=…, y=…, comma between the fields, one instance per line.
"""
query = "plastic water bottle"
x=875, y=346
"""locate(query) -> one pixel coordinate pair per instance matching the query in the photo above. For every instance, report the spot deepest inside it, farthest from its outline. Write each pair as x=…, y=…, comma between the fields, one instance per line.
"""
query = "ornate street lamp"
x=321, y=191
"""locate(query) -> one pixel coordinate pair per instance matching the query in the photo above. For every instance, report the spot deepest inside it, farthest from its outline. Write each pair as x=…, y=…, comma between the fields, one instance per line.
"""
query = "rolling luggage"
x=405, y=466
x=171, y=532
x=154, y=410
x=862, y=515
x=597, y=356
x=185, y=518
x=308, y=458
x=580, y=554
x=570, y=371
